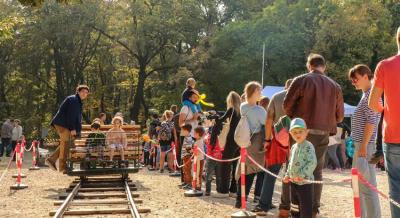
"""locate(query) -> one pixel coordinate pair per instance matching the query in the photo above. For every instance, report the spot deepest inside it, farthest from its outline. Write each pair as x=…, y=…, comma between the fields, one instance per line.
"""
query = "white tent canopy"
x=269, y=91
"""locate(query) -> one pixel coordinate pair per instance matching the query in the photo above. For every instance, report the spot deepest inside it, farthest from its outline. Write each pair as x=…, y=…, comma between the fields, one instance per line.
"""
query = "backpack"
x=153, y=127
x=222, y=137
x=242, y=133
x=165, y=132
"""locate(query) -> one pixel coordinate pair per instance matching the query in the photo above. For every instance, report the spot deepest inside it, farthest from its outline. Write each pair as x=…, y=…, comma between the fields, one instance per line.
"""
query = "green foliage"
x=136, y=55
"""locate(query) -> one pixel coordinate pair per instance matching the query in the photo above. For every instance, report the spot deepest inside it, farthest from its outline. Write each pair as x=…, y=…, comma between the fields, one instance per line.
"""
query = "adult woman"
x=256, y=116
x=364, y=126
x=165, y=136
x=231, y=149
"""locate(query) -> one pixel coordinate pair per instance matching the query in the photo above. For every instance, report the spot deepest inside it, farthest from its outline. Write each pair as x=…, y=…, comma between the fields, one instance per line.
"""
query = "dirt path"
x=161, y=194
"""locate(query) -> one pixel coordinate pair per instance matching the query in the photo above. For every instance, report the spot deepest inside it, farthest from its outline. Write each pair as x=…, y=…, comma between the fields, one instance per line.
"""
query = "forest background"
x=135, y=55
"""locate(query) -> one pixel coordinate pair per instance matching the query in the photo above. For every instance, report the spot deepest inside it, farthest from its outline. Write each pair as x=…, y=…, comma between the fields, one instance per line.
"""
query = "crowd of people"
x=299, y=131
x=11, y=134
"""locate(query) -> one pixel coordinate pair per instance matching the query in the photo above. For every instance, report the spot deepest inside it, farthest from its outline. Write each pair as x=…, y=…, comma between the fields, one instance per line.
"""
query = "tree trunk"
x=139, y=95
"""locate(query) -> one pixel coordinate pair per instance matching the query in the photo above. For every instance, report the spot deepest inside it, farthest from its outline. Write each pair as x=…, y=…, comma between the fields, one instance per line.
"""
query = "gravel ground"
x=161, y=194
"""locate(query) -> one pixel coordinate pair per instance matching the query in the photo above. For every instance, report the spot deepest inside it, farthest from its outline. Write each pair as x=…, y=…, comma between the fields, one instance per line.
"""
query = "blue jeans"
x=267, y=190
x=369, y=200
x=194, y=107
x=259, y=184
x=392, y=163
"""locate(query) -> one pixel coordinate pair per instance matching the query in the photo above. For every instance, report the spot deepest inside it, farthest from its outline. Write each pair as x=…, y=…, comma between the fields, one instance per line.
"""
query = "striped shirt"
x=363, y=115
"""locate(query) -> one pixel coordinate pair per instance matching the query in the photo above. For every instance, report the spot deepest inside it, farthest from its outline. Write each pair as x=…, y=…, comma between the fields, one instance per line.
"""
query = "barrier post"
x=34, y=156
x=175, y=173
x=194, y=192
x=243, y=212
x=356, y=192
x=19, y=154
x=19, y=185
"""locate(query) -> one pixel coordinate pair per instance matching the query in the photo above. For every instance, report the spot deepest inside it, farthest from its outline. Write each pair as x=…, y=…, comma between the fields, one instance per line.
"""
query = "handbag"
x=282, y=132
x=222, y=137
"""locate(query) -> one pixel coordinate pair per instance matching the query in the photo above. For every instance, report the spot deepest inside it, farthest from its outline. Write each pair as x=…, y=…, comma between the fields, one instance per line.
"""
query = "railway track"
x=111, y=196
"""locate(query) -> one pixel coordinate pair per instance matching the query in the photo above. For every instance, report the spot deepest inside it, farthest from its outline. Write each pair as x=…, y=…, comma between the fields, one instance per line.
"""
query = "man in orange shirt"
x=387, y=78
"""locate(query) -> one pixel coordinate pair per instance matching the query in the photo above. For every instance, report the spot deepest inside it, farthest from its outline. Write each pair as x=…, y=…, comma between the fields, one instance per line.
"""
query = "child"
x=214, y=151
x=146, y=155
x=199, y=133
x=96, y=137
x=116, y=137
x=95, y=143
x=301, y=166
x=190, y=85
x=187, y=145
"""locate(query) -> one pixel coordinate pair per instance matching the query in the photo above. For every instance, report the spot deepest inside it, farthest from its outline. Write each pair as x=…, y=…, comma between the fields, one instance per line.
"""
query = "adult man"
x=6, y=134
x=274, y=112
x=318, y=100
x=186, y=116
x=386, y=82
x=67, y=123
x=16, y=137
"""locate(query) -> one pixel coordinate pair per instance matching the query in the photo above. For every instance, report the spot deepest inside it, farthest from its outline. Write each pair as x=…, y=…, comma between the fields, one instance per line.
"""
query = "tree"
x=156, y=36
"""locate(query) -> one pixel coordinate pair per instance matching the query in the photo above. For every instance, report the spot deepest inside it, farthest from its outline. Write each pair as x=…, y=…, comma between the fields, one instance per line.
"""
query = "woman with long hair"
x=256, y=116
x=231, y=149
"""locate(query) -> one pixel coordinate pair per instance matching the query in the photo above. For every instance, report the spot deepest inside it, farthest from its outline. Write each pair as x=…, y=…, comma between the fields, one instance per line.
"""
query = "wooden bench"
x=79, y=151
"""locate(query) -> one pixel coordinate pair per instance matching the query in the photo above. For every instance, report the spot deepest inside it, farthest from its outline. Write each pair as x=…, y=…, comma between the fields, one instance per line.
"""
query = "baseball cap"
x=298, y=123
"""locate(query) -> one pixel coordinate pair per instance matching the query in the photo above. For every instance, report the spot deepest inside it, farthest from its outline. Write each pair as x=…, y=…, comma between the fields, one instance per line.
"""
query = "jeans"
x=332, y=153
x=5, y=142
x=392, y=163
x=259, y=184
x=267, y=190
x=146, y=158
x=285, y=196
x=302, y=200
x=249, y=183
x=369, y=200
x=212, y=169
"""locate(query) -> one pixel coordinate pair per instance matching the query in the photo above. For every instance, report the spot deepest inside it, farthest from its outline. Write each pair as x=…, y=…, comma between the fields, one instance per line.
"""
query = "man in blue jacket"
x=67, y=123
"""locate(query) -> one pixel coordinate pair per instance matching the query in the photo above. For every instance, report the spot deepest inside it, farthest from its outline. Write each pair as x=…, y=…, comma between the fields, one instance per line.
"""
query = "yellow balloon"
x=201, y=100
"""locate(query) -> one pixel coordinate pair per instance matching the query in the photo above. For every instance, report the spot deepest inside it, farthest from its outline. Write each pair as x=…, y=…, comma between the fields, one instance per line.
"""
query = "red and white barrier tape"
x=375, y=189
x=28, y=150
x=219, y=160
x=305, y=180
x=180, y=166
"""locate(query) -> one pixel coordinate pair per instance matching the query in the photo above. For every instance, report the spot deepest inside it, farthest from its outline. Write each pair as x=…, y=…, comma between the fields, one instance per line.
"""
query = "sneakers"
x=207, y=194
x=162, y=171
x=51, y=164
x=182, y=185
x=376, y=157
x=187, y=187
